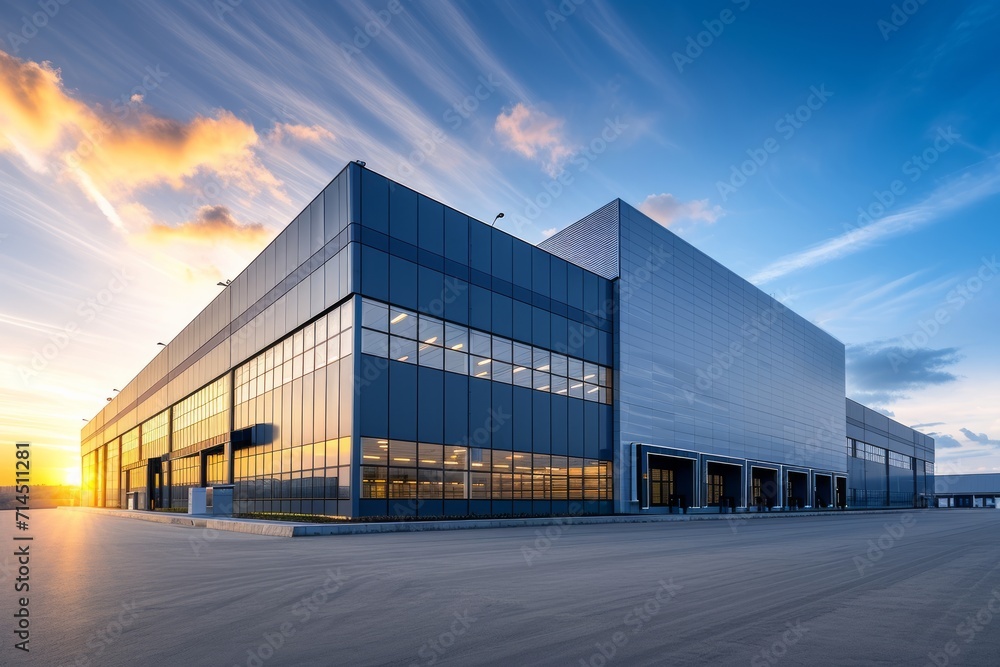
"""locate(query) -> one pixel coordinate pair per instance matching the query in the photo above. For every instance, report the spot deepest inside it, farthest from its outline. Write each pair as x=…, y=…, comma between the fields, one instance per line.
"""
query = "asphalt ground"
x=920, y=588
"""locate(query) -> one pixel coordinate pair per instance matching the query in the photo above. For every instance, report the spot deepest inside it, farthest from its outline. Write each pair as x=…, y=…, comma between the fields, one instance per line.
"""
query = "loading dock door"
x=670, y=477
x=797, y=489
x=841, y=492
x=724, y=481
x=824, y=491
x=763, y=486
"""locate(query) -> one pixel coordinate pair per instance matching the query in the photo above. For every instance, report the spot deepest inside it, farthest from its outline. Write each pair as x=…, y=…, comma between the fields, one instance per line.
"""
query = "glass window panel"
x=402, y=323
x=374, y=315
x=522, y=354
x=309, y=336
x=431, y=483
x=373, y=342
x=559, y=385
x=521, y=376
x=591, y=392
x=456, y=362
x=333, y=348
x=456, y=338
x=347, y=316
x=431, y=330
x=320, y=355
x=502, y=460
x=308, y=361
x=402, y=349
x=575, y=389
x=541, y=463
x=374, y=451
x=479, y=459
x=542, y=381
x=502, y=349
x=479, y=485
x=604, y=375
x=431, y=356
x=456, y=458
x=590, y=372
x=403, y=453
x=321, y=330
x=575, y=369
x=402, y=483
x=479, y=344
x=479, y=367
x=501, y=372
x=345, y=344
x=558, y=364
x=542, y=360
x=373, y=481
x=297, y=343
x=279, y=355
x=454, y=484
x=522, y=462
x=297, y=367
x=431, y=456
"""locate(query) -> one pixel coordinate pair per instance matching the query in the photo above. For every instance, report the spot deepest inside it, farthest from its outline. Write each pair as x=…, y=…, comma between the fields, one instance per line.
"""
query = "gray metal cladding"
x=591, y=242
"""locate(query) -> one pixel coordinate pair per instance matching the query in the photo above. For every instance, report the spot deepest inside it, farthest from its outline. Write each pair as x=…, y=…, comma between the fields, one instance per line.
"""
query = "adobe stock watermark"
x=913, y=168
x=581, y=161
x=968, y=630
x=891, y=534
x=898, y=17
x=634, y=621
x=786, y=127
x=433, y=649
x=779, y=647
x=87, y=310
x=546, y=539
x=956, y=299
x=99, y=640
x=32, y=23
x=454, y=116
x=724, y=360
x=302, y=612
x=565, y=9
x=697, y=43
x=363, y=35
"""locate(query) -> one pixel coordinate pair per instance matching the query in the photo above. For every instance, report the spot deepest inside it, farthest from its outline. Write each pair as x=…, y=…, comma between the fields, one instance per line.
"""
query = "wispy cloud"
x=667, y=209
x=881, y=372
x=980, y=438
x=535, y=135
x=305, y=133
x=963, y=191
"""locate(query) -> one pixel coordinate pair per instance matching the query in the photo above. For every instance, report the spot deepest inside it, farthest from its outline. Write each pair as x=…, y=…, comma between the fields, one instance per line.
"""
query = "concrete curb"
x=291, y=529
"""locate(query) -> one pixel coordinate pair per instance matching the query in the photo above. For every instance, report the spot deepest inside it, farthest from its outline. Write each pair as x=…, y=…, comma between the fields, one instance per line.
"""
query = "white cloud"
x=535, y=135
x=667, y=209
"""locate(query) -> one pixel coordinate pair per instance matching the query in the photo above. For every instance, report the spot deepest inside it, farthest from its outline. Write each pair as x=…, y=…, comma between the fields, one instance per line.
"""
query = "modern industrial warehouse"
x=387, y=355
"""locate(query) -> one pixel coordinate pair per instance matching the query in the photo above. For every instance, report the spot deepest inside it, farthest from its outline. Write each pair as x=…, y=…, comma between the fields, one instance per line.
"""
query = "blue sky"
x=843, y=157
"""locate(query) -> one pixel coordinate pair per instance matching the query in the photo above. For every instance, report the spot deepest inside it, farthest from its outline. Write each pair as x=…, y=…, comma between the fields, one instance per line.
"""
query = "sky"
x=844, y=157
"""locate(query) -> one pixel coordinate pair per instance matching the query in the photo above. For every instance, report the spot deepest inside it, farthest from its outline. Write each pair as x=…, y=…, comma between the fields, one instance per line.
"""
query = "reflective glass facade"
x=386, y=355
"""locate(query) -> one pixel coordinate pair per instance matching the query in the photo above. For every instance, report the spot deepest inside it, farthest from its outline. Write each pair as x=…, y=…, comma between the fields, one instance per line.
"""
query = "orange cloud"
x=535, y=135
x=34, y=110
x=307, y=133
x=110, y=158
x=667, y=209
x=211, y=224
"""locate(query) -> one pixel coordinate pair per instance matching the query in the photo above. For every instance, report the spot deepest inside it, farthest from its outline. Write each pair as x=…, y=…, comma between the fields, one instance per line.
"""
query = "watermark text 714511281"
x=22, y=545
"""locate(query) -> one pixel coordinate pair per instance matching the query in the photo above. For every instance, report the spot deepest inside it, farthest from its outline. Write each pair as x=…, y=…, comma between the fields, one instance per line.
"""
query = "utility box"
x=197, y=501
x=221, y=500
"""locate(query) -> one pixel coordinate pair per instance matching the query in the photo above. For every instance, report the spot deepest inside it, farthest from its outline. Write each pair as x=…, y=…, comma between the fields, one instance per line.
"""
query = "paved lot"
x=846, y=590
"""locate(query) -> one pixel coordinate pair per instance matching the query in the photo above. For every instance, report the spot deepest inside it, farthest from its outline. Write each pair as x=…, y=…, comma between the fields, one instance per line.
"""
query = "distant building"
x=388, y=355
x=970, y=490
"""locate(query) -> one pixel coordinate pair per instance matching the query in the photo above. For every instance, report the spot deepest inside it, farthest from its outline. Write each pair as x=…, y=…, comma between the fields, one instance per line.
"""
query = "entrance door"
x=763, y=487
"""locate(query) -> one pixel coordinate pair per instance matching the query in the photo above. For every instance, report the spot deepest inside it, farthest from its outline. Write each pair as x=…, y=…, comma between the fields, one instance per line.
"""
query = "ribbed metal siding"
x=591, y=242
